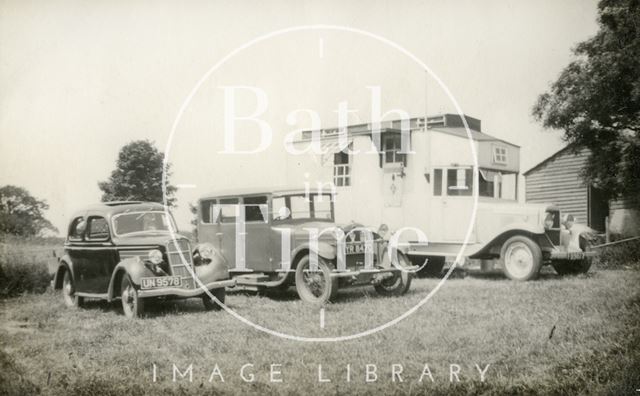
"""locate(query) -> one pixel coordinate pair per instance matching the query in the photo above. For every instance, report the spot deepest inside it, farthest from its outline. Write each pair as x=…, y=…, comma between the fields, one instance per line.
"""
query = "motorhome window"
x=437, y=182
x=228, y=210
x=341, y=169
x=206, y=211
x=391, y=150
x=490, y=184
x=459, y=182
x=500, y=155
x=255, y=208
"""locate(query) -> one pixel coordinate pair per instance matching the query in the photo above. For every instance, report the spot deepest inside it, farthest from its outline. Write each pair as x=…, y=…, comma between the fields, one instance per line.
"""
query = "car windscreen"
x=142, y=222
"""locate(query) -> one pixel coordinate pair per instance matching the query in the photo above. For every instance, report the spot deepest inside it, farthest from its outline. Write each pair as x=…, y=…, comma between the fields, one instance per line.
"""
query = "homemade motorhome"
x=427, y=182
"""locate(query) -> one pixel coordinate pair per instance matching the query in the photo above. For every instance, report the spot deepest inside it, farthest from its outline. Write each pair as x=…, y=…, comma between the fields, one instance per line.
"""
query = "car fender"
x=134, y=267
x=324, y=250
x=497, y=238
x=213, y=271
x=63, y=265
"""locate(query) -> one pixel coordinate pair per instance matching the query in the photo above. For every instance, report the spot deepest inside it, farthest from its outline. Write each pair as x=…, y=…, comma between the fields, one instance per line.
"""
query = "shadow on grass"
x=153, y=307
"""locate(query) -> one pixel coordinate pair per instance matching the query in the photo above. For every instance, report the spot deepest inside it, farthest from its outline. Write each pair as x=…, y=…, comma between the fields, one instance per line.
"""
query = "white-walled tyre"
x=71, y=300
x=521, y=258
x=132, y=303
x=315, y=286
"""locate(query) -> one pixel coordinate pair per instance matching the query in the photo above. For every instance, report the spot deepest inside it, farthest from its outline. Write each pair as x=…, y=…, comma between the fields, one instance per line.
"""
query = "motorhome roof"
x=263, y=190
x=450, y=124
x=475, y=135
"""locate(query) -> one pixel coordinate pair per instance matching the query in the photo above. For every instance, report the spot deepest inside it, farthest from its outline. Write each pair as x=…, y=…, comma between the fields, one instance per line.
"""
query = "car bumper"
x=560, y=255
x=175, y=291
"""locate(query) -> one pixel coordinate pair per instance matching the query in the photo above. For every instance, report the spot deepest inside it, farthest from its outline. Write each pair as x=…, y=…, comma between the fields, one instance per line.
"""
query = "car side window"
x=255, y=209
x=97, y=229
x=280, y=210
x=207, y=211
x=77, y=228
x=228, y=210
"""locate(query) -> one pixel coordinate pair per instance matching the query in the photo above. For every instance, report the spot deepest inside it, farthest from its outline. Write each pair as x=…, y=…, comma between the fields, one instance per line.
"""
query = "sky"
x=78, y=80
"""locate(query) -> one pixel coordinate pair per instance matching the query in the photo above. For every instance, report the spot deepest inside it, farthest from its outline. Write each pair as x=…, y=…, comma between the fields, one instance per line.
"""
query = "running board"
x=92, y=295
x=257, y=280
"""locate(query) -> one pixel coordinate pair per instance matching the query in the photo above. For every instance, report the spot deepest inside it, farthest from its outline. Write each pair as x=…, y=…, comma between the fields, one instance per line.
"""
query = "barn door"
x=598, y=209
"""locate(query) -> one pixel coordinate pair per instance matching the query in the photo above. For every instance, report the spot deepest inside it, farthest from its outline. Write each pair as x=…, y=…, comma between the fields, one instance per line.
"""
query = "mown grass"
x=552, y=336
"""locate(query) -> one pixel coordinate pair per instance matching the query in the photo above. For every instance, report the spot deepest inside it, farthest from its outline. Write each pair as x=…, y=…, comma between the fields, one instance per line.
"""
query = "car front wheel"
x=69, y=292
x=132, y=303
x=315, y=286
x=211, y=304
x=521, y=258
x=399, y=282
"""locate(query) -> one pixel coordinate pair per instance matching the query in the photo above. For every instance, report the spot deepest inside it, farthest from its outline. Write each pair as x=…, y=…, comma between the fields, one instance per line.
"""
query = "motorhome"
x=420, y=173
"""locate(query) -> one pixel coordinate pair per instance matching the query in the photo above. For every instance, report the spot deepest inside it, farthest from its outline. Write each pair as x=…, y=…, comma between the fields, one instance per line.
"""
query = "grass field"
x=576, y=335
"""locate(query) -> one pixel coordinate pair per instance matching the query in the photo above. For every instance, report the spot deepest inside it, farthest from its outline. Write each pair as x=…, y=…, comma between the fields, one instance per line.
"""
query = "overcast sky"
x=79, y=79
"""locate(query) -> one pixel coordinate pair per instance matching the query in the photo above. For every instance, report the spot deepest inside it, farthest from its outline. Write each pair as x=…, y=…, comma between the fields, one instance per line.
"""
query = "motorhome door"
x=451, y=204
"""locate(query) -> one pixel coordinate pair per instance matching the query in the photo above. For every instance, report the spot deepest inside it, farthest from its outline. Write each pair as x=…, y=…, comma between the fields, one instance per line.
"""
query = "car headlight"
x=207, y=251
x=155, y=256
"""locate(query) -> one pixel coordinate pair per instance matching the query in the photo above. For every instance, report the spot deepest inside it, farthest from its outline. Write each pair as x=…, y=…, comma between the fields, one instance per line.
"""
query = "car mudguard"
x=132, y=266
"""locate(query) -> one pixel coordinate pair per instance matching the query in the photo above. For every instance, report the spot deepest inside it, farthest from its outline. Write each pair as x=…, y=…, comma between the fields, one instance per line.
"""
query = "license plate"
x=161, y=281
x=358, y=248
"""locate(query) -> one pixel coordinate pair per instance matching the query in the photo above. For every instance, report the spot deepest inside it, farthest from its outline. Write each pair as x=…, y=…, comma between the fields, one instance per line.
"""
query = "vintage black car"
x=131, y=251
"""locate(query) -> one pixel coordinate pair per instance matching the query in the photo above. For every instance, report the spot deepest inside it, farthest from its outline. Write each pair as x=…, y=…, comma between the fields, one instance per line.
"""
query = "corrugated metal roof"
x=552, y=156
x=475, y=135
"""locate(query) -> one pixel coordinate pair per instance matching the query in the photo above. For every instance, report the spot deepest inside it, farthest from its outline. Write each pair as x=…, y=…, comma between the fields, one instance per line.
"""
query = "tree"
x=138, y=175
x=596, y=101
x=193, y=208
x=22, y=214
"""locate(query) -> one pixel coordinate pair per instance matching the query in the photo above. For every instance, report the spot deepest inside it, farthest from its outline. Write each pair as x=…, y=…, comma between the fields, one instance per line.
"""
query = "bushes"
x=24, y=265
x=624, y=254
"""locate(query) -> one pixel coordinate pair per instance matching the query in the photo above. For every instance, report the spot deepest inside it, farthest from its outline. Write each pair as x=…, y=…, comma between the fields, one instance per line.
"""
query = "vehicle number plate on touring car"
x=161, y=281
x=358, y=248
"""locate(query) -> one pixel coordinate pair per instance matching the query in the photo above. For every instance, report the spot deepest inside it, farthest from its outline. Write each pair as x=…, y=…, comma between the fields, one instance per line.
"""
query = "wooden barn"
x=557, y=180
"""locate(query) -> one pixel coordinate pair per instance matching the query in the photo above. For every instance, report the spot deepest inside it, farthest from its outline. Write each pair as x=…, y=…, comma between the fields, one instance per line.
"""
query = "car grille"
x=179, y=257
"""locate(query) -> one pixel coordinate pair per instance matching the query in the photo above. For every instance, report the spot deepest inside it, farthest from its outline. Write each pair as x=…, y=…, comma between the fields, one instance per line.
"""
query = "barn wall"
x=558, y=181
x=624, y=220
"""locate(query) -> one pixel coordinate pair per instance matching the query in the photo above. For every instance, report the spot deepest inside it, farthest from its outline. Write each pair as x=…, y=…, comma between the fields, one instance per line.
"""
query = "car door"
x=257, y=229
x=100, y=255
x=225, y=218
x=75, y=249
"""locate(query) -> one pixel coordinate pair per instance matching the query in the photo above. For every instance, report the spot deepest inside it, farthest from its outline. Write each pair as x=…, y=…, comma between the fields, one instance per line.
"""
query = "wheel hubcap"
x=314, y=281
x=127, y=299
x=67, y=290
x=519, y=259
